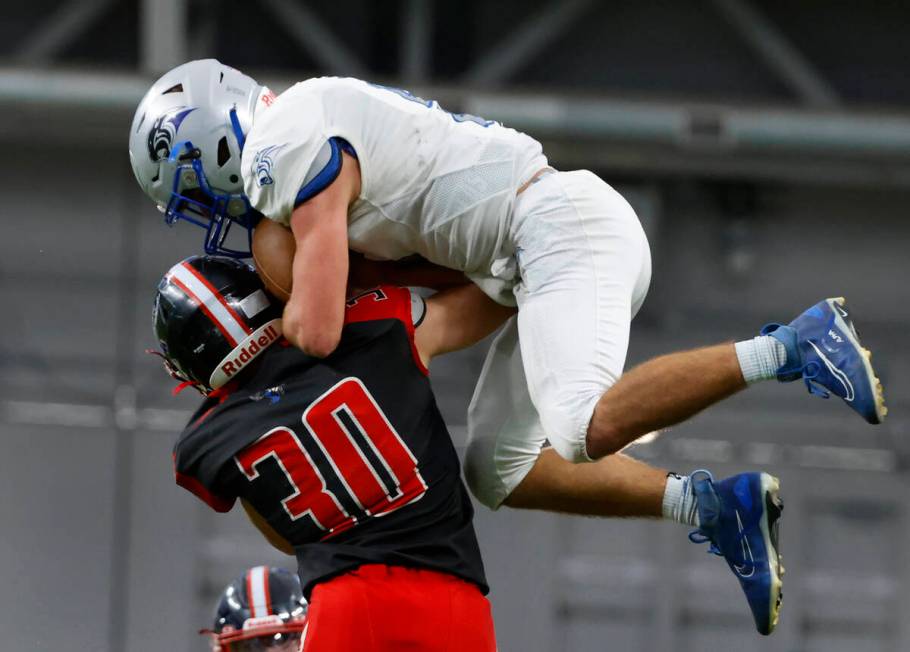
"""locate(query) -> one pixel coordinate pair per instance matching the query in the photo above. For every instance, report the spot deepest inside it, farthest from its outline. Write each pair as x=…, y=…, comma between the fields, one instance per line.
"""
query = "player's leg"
x=423, y=609
x=340, y=618
x=504, y=462
x=661, y=392
x=380, y=608
x=744, y=508
x=585, y=267
x=616, y=486
x=470, y=619
x=505, y=435
x=821, y=346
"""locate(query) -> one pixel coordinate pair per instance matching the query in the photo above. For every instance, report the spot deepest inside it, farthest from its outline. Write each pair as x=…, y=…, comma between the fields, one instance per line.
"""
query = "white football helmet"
x=185, y=145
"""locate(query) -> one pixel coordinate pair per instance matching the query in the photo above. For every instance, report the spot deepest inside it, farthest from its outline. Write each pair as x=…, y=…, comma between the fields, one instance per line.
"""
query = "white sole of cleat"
x=881, y=409
x=771, y=491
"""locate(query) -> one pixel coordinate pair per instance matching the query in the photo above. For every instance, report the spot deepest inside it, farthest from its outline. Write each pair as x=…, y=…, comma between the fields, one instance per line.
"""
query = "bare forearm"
x=458, y=318
x=314, y=315
x=488, y=314
x=463, y=316
x=616, y=485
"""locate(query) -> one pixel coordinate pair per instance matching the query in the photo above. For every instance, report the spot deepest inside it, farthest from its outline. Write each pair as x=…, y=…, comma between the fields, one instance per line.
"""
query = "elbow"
x=320, y=347
x=313, y=331
x=318, y=343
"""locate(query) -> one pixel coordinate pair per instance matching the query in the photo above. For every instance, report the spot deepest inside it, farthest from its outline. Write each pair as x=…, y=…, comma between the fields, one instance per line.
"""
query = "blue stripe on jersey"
x=328, y=174
x=346, y=147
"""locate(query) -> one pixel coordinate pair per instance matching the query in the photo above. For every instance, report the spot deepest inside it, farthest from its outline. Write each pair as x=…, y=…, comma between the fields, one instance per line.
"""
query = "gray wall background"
x=765, y=146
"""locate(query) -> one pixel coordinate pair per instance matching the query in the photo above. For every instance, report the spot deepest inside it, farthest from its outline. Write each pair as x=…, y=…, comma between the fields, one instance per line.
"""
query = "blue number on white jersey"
x=457, y=117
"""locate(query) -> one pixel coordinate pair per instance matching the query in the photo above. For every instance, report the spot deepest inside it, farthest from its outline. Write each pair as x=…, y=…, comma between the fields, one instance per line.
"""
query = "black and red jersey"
x=346, y=457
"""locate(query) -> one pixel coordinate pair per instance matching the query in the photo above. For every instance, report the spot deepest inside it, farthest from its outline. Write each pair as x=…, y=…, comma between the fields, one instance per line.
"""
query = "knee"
x=608, y=432
x=493, y=468
x=602, y=439
x=480, y=474
x=570, y=450
x=566, y=423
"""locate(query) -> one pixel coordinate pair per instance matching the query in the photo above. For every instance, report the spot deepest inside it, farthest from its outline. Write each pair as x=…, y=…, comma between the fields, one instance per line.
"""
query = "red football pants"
x=379, y=608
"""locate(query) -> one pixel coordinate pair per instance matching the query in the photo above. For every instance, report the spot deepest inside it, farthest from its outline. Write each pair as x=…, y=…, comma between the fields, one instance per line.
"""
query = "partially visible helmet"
x=185, y=145
x=263, y=609
x=213, y=317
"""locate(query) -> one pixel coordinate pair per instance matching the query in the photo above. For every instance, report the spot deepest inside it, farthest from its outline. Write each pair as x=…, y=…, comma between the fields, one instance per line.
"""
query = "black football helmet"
x=213, y=316
x=262, y=610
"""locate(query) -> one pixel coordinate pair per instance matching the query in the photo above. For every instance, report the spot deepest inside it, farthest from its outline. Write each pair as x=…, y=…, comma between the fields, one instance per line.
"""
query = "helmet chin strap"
x=175, y=373
x=187, y=383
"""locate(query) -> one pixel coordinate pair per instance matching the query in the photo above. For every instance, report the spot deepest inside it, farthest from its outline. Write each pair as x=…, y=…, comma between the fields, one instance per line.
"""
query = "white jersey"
x=433, y=183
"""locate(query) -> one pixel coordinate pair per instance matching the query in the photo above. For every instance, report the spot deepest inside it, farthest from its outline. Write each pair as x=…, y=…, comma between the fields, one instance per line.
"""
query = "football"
x=273, y=253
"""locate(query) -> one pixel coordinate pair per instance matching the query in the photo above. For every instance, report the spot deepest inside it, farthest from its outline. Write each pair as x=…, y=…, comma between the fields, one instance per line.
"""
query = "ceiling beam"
x=61, y=29
x=867, y=148
x=315, y=37
x=162, y=35
x=527, y=41
x=776, y=51
x=417, y=43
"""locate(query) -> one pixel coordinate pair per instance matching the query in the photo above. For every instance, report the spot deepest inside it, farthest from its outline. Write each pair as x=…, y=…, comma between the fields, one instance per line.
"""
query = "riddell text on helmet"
x=248, y=352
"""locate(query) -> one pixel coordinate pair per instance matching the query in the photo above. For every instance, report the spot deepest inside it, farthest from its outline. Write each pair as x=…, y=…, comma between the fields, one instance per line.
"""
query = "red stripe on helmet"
x=219, y=296
x=249, y=593
x=265, y=590
x=201, y=304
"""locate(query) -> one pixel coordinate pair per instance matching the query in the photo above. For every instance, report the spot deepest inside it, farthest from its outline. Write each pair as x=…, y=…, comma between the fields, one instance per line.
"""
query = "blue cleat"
x=824, y=350
x=740, y=517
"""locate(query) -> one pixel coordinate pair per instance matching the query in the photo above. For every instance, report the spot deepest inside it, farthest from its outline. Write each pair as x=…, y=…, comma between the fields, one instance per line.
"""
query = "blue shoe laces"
x=810, y=372
x=697, y=536
x=700, y=536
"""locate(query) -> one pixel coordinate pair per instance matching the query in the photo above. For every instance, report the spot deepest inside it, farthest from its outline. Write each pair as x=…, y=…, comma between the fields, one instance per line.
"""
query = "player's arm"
x=268, y=532
x=314, y=315
x=457, y=318
x=273, y=253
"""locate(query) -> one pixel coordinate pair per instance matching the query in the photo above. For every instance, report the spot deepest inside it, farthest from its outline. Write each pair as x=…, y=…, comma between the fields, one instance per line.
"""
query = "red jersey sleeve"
x=385, y=302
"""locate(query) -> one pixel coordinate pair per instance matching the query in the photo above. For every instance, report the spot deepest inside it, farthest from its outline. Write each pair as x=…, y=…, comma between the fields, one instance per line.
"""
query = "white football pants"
x=585, y=267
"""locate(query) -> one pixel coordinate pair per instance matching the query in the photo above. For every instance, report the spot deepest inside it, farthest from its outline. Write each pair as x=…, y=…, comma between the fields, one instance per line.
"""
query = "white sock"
x=760, y=358
x=679, y=502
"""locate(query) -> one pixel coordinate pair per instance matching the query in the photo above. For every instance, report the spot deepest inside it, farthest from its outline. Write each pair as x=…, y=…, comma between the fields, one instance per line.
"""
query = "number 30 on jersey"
x=374, y=466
